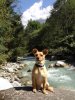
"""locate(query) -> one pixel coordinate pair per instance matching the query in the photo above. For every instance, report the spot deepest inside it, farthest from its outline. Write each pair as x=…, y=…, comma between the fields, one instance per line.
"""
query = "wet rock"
x=29, y=70
x=51, y=65
x=61, y=64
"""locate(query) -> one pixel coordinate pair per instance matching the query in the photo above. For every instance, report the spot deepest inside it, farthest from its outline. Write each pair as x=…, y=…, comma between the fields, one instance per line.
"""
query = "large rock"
x=5, y=84
x=25, y=93
x=58, y=64
x=61, y=64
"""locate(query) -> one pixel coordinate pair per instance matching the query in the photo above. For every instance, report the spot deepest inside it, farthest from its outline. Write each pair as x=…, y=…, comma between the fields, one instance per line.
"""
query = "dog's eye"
x=41, y=55
x=36, y=55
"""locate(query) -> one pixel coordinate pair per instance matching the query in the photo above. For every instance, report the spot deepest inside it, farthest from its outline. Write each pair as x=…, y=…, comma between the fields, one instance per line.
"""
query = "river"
x=57, y=77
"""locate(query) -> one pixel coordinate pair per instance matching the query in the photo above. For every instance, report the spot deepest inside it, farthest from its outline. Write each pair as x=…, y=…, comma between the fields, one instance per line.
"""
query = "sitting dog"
x=39, y=72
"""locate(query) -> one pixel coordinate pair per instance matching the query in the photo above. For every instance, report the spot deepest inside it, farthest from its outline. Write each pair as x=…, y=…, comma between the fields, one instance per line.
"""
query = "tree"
x=59, y=30
x=10, y=26
x=31, y=33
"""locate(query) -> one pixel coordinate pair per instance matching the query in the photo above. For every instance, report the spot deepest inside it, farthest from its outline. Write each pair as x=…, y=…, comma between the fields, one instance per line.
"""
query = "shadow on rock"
x=26, y=88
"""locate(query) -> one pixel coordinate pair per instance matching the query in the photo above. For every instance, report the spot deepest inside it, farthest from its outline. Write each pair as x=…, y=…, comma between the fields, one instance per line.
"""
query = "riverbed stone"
x=51, y=65
x=29, y=70
x=61, y=64
x=16, y=84
x=58, y=64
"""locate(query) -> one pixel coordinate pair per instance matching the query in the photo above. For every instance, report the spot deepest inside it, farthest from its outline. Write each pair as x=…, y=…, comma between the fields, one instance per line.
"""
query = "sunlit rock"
x=5, y=84
x=61, y=64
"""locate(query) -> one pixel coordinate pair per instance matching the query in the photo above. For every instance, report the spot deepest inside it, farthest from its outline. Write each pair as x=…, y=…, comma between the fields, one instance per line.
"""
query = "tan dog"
x=39, y=72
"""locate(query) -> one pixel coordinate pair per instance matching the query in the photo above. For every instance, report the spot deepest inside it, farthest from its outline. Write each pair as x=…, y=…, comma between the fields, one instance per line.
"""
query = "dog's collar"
x=39, y=65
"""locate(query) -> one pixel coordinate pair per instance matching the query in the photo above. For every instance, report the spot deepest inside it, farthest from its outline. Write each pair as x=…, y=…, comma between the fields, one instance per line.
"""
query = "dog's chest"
x=40, y=73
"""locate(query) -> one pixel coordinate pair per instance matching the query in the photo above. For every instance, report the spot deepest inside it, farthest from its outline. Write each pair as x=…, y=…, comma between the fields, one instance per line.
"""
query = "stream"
x=57, y=77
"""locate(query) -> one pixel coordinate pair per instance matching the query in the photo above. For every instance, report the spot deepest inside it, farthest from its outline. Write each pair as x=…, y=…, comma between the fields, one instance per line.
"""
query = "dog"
x=39, y=72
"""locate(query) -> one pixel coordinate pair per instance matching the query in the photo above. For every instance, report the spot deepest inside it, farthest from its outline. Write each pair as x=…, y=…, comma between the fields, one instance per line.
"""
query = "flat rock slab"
x=25, y=93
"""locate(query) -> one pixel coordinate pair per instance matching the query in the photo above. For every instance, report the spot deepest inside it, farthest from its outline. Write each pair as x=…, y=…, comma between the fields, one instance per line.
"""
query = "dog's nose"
x=37, y=58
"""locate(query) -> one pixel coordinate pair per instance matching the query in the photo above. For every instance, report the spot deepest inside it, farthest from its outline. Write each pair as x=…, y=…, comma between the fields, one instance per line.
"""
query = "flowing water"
x=57, y=77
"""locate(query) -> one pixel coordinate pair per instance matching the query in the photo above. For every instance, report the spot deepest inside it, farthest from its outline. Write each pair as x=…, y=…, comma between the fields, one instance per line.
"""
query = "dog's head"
x=40, y=56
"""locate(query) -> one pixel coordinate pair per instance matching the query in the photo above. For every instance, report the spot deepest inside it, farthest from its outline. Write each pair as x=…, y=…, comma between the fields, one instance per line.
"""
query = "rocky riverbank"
x=12, y=72
x=25, y=93
x=18, y=74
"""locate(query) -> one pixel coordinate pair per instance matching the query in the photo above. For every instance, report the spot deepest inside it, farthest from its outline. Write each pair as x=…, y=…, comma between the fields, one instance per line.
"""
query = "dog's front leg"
x=34, y=84
x=44, y=86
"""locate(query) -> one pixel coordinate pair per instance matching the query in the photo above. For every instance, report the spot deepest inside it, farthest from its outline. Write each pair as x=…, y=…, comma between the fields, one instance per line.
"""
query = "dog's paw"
x=51, y=89
x=44, y=91
x=34, y=90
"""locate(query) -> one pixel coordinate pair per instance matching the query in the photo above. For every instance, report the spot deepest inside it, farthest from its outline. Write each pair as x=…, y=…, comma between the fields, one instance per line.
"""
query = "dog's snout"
x=37, y=58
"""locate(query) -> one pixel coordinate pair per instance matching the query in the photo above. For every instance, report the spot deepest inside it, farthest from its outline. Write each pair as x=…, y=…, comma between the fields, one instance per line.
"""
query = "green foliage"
x=32, y=25
x=10, y=30
x=31, y=32
x=57, y=33
x=3, y=58
x=59, y=30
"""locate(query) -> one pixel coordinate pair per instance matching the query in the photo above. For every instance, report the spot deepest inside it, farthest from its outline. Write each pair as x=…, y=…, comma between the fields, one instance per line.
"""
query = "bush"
x=3, y=58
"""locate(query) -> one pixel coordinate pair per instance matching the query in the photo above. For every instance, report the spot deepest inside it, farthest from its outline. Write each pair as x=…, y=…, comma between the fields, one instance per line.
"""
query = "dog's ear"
x=34, y=50
x=45, y=51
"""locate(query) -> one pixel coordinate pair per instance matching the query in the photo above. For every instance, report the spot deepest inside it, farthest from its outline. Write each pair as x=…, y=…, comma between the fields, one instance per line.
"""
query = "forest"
x=57, y=33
